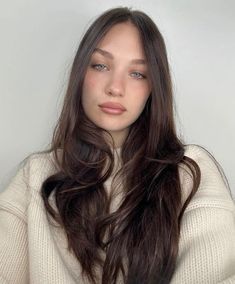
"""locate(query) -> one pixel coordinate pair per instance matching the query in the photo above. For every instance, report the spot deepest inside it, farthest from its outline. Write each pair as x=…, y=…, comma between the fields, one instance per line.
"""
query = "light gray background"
x=37, y=45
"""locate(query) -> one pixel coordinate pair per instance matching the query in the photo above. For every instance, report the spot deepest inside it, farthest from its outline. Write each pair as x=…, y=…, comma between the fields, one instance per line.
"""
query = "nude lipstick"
x=112, y=108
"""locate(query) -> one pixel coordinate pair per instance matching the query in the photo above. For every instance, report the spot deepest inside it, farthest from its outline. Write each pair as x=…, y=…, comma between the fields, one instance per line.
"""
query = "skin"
x=117, y=73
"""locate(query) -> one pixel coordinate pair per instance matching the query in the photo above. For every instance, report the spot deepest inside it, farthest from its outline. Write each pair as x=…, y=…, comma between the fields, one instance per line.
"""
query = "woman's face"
x=116, y=85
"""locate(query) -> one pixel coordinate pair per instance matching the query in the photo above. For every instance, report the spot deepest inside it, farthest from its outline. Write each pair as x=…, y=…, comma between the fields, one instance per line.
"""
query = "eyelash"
x=101, y=67
x=140, y=75
x=97, y=67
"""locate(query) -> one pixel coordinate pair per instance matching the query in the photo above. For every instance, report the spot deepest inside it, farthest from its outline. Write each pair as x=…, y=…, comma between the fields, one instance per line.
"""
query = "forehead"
x=123, y=37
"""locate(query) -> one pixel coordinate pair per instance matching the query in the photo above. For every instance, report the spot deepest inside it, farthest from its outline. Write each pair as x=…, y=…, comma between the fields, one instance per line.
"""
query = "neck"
x=117, y=138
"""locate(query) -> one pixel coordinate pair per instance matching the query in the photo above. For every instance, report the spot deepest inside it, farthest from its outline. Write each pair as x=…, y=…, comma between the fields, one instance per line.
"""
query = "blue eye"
x=138, y=75
x=99, y=67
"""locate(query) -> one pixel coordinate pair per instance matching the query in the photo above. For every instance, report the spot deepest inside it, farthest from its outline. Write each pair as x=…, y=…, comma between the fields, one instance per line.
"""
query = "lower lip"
x=112, y=110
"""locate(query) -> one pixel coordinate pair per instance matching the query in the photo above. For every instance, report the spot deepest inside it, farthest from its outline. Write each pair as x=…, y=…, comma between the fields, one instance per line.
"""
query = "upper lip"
x=112, y=105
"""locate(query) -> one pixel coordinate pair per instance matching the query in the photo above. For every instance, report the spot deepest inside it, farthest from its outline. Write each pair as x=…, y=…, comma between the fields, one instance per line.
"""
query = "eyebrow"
x=110, y=56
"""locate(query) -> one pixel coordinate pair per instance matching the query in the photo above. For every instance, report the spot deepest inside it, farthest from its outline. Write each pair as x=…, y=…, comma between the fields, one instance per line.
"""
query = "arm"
x=207, y=247
x=207, y=240
x=13, y=249
x=13, y=230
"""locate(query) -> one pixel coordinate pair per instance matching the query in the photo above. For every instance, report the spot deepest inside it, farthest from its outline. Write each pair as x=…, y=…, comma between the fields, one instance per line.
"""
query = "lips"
x=112, y=105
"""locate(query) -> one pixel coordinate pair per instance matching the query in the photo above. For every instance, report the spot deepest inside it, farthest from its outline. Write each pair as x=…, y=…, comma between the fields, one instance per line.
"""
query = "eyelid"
x=143, y=76
x=96, y=65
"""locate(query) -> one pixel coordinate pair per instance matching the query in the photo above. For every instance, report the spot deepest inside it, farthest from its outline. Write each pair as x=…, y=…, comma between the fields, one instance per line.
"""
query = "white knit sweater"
x=33, y=251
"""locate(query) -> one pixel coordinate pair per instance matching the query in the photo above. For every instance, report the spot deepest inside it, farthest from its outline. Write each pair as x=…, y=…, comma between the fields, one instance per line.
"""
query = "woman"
x=118, y=198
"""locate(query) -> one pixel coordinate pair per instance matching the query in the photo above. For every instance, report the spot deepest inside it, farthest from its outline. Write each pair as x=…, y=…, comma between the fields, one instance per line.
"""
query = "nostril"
x=111, y=91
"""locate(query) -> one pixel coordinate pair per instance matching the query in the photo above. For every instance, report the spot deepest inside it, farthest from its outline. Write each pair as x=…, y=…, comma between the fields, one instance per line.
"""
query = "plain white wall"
x=38, y=43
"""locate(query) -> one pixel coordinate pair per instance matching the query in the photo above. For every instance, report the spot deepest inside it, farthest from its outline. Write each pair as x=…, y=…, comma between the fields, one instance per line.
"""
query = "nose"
x=115, y=86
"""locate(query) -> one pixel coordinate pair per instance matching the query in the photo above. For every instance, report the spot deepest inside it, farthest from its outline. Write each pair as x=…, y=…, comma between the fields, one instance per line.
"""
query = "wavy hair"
x=140, y=238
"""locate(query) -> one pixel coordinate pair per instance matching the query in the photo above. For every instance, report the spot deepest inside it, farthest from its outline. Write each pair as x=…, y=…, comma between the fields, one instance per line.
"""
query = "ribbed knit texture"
x=33, y=251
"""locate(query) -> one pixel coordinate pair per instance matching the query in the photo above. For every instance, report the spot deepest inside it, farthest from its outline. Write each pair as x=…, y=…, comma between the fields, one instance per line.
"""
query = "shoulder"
x=38, y=167
x=213, y=190
x=27, y=182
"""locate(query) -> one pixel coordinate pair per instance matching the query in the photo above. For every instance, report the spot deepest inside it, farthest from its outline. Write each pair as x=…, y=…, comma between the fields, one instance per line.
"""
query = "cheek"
x=142, y=104
x=143, y=95
x=138, y=94
x=142, y=89
x=89, y=82
x=88, y=91
x=146, y=93
x=137, y=107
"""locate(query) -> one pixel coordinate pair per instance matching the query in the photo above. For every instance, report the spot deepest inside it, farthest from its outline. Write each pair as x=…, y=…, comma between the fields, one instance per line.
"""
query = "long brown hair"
x=143, y=232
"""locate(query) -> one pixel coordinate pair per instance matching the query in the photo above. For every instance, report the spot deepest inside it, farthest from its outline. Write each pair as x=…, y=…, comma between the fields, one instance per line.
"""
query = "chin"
x=111, y=126
x=115, y=129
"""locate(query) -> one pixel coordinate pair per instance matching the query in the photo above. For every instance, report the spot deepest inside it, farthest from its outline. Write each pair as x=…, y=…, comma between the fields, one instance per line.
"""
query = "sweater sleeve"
x=207, y=240
x=207, y=247
x=13, y=230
